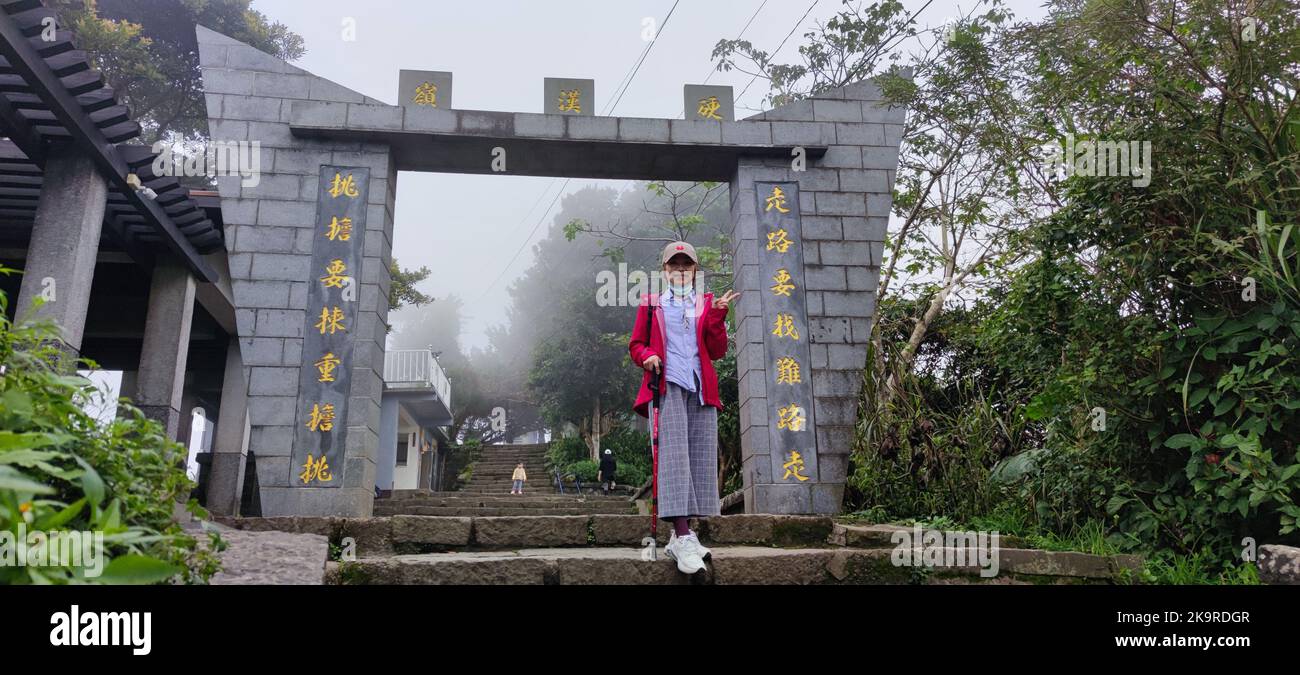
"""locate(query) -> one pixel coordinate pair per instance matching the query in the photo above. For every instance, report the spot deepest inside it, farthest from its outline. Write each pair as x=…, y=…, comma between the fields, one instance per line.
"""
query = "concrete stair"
x=414, y=503
x=491, y=474
x=608, y=549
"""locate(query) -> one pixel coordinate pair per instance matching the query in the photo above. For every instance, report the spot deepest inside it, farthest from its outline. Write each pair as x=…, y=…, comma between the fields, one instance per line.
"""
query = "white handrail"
x=417, y=367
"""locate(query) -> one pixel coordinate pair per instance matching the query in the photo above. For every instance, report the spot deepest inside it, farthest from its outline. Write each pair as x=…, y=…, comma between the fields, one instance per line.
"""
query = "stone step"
x=506, y=497
x=631, y=565
x=499, y=511
x=382, y=535
x=542, y=510
x=607, y=549
x=503, y=502
x=505, y=490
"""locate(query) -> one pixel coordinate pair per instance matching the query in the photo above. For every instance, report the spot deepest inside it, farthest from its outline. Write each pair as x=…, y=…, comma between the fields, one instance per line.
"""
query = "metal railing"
x=416, y=369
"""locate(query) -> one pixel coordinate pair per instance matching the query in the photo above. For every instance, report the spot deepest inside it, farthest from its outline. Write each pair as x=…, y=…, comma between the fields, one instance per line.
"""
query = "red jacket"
x=711, y=338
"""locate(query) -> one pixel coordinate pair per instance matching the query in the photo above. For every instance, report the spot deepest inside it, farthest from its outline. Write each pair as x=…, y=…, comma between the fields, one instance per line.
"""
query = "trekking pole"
x=654, y=431
x=654, y=455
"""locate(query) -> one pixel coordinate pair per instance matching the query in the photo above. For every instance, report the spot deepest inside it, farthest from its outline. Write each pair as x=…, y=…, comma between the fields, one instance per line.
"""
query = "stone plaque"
x=325, y=377
x=569, y=97
x=788, y=362
x=424, y=89
x=709, y=102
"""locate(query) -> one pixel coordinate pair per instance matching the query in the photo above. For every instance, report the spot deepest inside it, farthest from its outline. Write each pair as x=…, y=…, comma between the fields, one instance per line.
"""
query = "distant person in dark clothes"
x=608, y=467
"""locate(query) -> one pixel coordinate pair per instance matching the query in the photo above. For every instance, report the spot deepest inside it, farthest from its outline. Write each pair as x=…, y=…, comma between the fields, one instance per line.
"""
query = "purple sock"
x=681, y=525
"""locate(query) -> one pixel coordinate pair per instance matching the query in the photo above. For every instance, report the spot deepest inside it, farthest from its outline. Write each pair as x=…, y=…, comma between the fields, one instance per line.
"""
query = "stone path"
x=608, y=549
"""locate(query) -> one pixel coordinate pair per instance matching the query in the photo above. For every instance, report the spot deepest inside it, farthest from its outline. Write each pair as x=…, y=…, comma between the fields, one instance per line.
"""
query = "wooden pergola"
x=49, y=93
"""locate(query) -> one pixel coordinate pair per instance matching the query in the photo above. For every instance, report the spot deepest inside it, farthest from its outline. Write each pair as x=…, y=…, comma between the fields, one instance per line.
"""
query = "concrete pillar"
x=127, y=390
x=65, y=242
x=161, y=378
x=230, y=449
x=386, y=455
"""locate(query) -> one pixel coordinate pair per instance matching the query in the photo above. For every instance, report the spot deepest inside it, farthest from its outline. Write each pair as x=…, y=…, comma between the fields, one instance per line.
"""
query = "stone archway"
x=824, y=234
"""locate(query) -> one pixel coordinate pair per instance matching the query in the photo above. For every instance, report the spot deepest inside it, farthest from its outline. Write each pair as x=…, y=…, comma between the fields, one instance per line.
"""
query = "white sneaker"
x=705, y=553
x=685, y=551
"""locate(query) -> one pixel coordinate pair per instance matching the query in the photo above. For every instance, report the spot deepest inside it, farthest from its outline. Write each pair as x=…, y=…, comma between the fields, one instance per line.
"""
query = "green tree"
x=148, y=53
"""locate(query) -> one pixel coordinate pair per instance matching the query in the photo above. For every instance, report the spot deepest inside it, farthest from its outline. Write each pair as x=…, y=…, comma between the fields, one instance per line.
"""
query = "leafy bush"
x=585, y=470
x=564, y=452
x=62, y=470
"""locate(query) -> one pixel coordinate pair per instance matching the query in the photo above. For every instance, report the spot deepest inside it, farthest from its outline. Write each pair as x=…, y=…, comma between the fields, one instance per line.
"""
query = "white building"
x=415, y=411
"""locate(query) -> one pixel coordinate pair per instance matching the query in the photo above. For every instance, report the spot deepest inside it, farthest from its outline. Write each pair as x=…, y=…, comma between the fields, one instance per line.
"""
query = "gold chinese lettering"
x=794, y=467
x=790, y=417
x=777, y=201
x=334, y=274
x=787, y=371
x=784, y=327
x=322, y=417
x=779, y=241
x=331, y=321
x=783, y=285
x=326, y=365
x=569, y=100
x=426, y=94
x=340, y=229
x=316, y=469
x=709, y=108
x=343, y=186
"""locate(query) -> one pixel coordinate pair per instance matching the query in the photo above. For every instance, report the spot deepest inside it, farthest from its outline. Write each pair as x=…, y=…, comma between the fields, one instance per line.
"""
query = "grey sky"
x=466, y=228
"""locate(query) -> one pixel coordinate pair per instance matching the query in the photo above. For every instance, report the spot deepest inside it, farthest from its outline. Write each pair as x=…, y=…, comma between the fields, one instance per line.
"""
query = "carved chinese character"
x=326, y=366
x=331, y=320
x=776, y=200
x=426, y=94
x=709, y=108
x=343, y=186
x=779, y=241
x=787, y=371
x=340, y=229
x=334, y=274
x=791, y=417
x=783, y=285
x=322, y=417
x=794, y=467
x=316, y=469
x=569, y=101
x=784, y=327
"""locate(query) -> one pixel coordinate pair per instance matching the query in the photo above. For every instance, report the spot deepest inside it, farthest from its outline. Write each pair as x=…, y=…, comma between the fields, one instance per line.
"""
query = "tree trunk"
x=596, y=424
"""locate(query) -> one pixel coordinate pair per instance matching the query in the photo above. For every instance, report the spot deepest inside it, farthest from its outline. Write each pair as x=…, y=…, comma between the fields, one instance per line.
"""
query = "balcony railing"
x=416, y=369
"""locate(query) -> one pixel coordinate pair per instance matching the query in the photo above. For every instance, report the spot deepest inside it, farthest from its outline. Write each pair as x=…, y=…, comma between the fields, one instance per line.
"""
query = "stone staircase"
x=490, y=474
x=482, y=504
x=487, y=493
x=607, y=549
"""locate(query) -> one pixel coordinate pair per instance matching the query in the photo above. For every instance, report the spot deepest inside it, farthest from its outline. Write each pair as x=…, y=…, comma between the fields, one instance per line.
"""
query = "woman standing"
x=676, y=338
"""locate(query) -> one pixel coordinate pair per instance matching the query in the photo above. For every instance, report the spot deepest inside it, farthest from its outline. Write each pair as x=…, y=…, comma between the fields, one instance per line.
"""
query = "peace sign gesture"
x=722, y=302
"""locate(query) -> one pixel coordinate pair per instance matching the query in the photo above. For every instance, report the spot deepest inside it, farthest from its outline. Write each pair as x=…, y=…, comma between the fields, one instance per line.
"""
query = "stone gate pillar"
x=273, y=227
x=842, y=206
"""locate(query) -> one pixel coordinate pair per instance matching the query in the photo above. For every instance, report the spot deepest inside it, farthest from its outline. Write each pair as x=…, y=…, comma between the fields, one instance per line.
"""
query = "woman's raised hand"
x=722, y=302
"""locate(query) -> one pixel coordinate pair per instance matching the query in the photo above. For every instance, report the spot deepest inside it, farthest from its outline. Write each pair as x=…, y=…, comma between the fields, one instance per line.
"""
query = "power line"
x=741, y=34
x=631, y=76
x=644, y=54
x=778, y=47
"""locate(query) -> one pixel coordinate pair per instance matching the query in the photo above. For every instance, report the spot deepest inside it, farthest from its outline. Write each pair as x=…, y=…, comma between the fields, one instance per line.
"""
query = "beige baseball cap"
x=679, y=247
